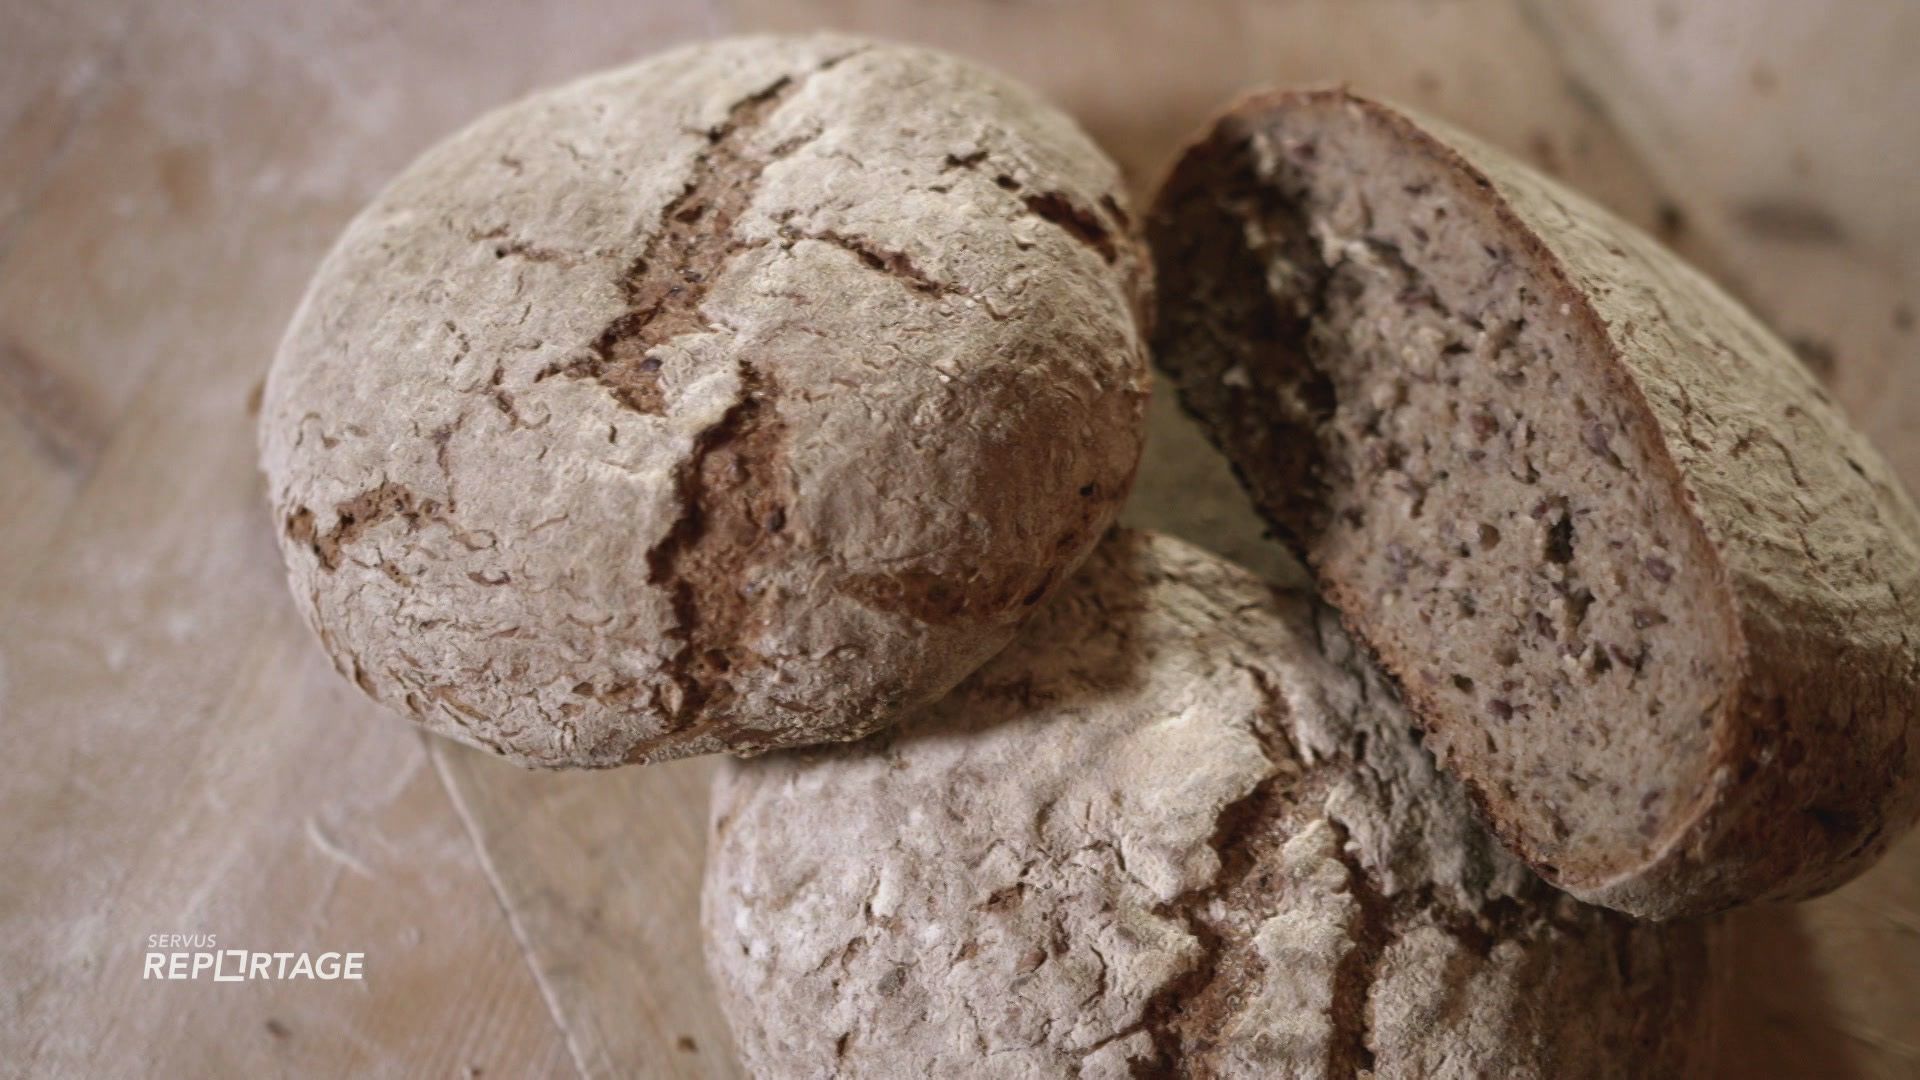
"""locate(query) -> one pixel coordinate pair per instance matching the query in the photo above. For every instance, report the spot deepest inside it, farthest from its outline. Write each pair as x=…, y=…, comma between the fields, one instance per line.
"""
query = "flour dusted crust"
x=1180, y=827
x=1777, y=615
x=744, y=397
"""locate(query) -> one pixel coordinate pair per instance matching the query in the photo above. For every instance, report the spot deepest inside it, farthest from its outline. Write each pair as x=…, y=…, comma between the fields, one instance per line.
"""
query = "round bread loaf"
x=1649, y=593
x=746, y=397
x=1179, y=828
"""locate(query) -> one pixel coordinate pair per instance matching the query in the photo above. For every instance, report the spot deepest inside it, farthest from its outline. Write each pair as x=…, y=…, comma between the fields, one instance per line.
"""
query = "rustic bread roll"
x=745, y=397
x=1179, y=827
x=1649, y=593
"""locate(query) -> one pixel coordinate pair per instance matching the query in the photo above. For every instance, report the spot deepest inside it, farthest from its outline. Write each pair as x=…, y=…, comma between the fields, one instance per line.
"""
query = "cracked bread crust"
x=1180, y=827
x=1788, y=579
x=746, y=397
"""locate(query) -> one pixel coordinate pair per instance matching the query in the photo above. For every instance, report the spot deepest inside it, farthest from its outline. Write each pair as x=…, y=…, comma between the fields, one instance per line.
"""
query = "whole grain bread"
x=748, y=396
x=1181, y=827
x=1649, y=593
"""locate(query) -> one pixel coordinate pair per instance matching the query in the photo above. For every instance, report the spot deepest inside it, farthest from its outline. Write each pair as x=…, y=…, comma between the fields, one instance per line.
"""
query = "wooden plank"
x=192, y=768
x=244, y=841
x=601, y=872
x=57, y=61
x=58, y=66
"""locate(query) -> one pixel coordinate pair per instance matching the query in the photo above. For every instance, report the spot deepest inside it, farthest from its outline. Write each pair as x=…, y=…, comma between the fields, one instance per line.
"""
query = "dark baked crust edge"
x=1795, y=804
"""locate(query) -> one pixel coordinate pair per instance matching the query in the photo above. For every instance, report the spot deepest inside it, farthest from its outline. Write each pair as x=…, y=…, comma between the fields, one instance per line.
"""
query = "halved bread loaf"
x=1646, y=590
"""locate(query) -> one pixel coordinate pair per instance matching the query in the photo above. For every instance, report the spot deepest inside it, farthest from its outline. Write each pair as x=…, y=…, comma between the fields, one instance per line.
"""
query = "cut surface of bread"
x=1566, y=490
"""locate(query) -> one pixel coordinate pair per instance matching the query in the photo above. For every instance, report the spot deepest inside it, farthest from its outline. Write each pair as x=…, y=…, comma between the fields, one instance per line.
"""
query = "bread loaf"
x=1649, y=593
x=1179, y=828
x=748, y=396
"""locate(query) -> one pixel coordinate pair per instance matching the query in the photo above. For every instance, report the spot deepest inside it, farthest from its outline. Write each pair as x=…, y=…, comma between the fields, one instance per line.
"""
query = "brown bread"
x=1649, y=593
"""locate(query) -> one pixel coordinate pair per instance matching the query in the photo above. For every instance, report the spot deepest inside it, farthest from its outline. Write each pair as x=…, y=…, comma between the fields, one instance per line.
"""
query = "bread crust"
x=1813, y=769
x=744, y=397
x=1180, y=827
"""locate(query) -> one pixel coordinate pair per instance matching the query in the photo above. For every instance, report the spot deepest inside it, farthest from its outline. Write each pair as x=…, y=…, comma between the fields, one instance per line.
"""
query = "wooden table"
x=182, y=760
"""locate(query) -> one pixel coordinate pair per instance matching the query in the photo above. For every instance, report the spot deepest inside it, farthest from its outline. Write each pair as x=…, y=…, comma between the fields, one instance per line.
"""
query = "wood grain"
x=50, y=84
x=184, y=762
x=601, y=873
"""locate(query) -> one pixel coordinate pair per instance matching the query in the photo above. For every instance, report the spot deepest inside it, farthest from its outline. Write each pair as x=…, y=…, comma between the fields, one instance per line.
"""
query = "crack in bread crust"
x=1349, y=1050
x=732, y=487
x=896, y=264
x=734, y=491
x=354, y=518
x=666, y=285
x=696, y=341
x=1059, y=209
x=1186, y=1016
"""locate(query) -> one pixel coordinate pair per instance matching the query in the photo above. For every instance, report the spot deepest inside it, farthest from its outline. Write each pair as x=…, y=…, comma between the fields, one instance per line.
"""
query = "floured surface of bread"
x=1181, y=827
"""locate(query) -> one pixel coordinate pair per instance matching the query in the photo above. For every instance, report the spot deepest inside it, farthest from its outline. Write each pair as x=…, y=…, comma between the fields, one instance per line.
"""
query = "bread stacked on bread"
x=1651, y=596
x=1180, y=827
x=758, y=395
